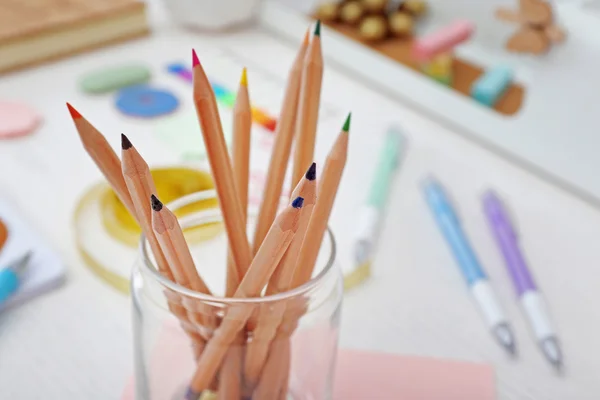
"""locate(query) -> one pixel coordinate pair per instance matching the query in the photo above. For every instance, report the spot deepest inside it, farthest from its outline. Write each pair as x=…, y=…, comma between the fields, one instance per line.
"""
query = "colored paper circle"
x=3, y=234
x=145, y=102
x=17, y=120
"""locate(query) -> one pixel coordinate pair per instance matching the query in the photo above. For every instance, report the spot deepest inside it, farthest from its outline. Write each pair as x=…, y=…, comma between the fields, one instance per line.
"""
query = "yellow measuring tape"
x=107, y=236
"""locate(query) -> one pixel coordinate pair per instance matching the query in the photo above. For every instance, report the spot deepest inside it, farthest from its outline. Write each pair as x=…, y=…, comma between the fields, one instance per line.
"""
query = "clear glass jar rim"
x=150, y=268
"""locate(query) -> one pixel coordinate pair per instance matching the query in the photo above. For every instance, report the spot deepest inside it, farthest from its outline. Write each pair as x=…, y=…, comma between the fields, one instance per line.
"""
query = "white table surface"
x=75, y=343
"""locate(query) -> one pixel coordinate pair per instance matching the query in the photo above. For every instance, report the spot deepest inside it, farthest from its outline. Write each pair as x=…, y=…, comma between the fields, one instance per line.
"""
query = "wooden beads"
x=376, y=20
x=328, y=12
x=352, y=12
x=401, y=24
x=414, y=7
x=374, y=6
x=373, y=28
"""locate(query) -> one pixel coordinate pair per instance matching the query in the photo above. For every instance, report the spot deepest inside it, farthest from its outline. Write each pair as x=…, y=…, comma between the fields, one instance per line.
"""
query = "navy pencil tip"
x=298, y=202
x=190, y=394
x=311, y=173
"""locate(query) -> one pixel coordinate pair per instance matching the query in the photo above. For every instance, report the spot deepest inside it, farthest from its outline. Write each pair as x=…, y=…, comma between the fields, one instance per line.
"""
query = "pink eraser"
x=443, y=40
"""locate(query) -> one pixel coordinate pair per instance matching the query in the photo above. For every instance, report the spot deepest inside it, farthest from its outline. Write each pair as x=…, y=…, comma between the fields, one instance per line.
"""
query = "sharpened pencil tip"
x=156, y=204
x=306, y=37
x=195, y=60
x=244, y=78
x=125, y=143
x=346, y=127
x=74, y=113
x=311, y=174
x=298, y=202
x=318, y=28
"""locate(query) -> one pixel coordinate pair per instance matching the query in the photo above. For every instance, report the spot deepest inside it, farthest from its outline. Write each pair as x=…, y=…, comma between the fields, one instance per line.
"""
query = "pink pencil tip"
x=74, y=113
x=195, y=60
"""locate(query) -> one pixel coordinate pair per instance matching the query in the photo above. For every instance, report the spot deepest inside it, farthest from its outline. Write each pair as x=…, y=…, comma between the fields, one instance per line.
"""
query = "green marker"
x=370, y=215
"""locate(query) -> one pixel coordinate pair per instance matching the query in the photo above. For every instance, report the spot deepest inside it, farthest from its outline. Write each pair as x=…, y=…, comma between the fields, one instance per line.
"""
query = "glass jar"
x=301, y=342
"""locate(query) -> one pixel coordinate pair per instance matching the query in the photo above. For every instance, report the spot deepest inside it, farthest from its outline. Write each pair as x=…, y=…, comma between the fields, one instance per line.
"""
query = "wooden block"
x=528, y=40
x=33, y=31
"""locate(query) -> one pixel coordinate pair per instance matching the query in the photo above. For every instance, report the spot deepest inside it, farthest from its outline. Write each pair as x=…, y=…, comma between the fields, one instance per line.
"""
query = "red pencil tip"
x=195, y=60
x=74, y=113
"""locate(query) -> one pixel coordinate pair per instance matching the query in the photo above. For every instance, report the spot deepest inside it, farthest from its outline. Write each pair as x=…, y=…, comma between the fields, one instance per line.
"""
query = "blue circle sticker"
x=145, y=102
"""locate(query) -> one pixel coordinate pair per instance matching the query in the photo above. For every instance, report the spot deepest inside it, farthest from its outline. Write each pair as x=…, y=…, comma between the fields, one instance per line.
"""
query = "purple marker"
x=529, y=296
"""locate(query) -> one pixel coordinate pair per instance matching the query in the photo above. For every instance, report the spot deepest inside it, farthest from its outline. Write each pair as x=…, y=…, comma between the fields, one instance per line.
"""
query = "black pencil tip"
x=311, y=174
x=125, y=143
x=318, y=28
x=156, y=204
x=297, y=203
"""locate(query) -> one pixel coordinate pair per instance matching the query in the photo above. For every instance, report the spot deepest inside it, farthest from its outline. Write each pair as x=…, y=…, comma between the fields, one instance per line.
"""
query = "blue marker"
x=491, y=85
x=449, y=224
x=10, y=277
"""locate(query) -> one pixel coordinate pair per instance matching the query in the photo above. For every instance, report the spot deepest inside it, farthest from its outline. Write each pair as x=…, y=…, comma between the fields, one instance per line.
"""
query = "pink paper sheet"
x=362, y=375
x=370, y=376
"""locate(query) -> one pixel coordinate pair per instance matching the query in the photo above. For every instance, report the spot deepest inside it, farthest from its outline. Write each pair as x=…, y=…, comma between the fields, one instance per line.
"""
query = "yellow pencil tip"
x=244, y=78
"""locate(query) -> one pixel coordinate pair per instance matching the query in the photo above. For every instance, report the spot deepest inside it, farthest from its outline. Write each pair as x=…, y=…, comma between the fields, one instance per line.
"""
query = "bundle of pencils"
x=246, y=353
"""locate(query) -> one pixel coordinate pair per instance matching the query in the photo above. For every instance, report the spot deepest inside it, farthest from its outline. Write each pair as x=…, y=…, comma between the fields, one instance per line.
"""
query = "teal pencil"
x=370, y=214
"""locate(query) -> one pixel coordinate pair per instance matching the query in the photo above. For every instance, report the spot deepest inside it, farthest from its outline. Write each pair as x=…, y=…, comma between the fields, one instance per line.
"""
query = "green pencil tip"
x=346, y=127
x=318, y=28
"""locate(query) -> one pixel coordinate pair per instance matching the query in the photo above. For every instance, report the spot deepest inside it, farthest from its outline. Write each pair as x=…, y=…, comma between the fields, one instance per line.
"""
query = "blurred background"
x=454, y=104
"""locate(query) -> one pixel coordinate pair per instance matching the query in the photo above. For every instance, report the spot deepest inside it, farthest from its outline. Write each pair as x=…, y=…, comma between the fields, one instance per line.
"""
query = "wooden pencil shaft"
x=212, y=131
x=141, y=186
x=105, y=159
x=274, y=246
x=282, y=147
x=275, y=372
x=230, y=375
x=327, y=191
x=242, y=126
x=182, y=251
x=165, y=225
x=270, y=317
x=308, y=109
x=328, y=186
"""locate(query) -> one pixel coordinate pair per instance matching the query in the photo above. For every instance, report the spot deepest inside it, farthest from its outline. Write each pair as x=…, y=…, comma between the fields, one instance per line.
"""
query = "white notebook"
x=45, y=270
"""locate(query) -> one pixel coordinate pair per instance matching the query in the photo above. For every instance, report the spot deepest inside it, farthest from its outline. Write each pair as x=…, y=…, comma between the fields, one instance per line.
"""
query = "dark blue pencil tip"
x=192, y=395
x=297, y=203
x=311, y=174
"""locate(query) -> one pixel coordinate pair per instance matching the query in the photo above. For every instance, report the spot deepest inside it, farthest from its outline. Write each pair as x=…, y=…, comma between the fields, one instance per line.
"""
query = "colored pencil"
x=327, y=191
x=282, y=147
x=214, y=141
x=267, y=258
x=270, y=317
x=176, y=251
x=242, y=126
x=104, y=156
x=141, y=187
x=308, y=106
x=309, y=251
x=230, y=376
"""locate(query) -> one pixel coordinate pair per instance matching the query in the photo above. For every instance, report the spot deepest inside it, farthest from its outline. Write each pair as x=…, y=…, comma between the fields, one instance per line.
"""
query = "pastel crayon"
x=491, y=85
x=442, y=41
